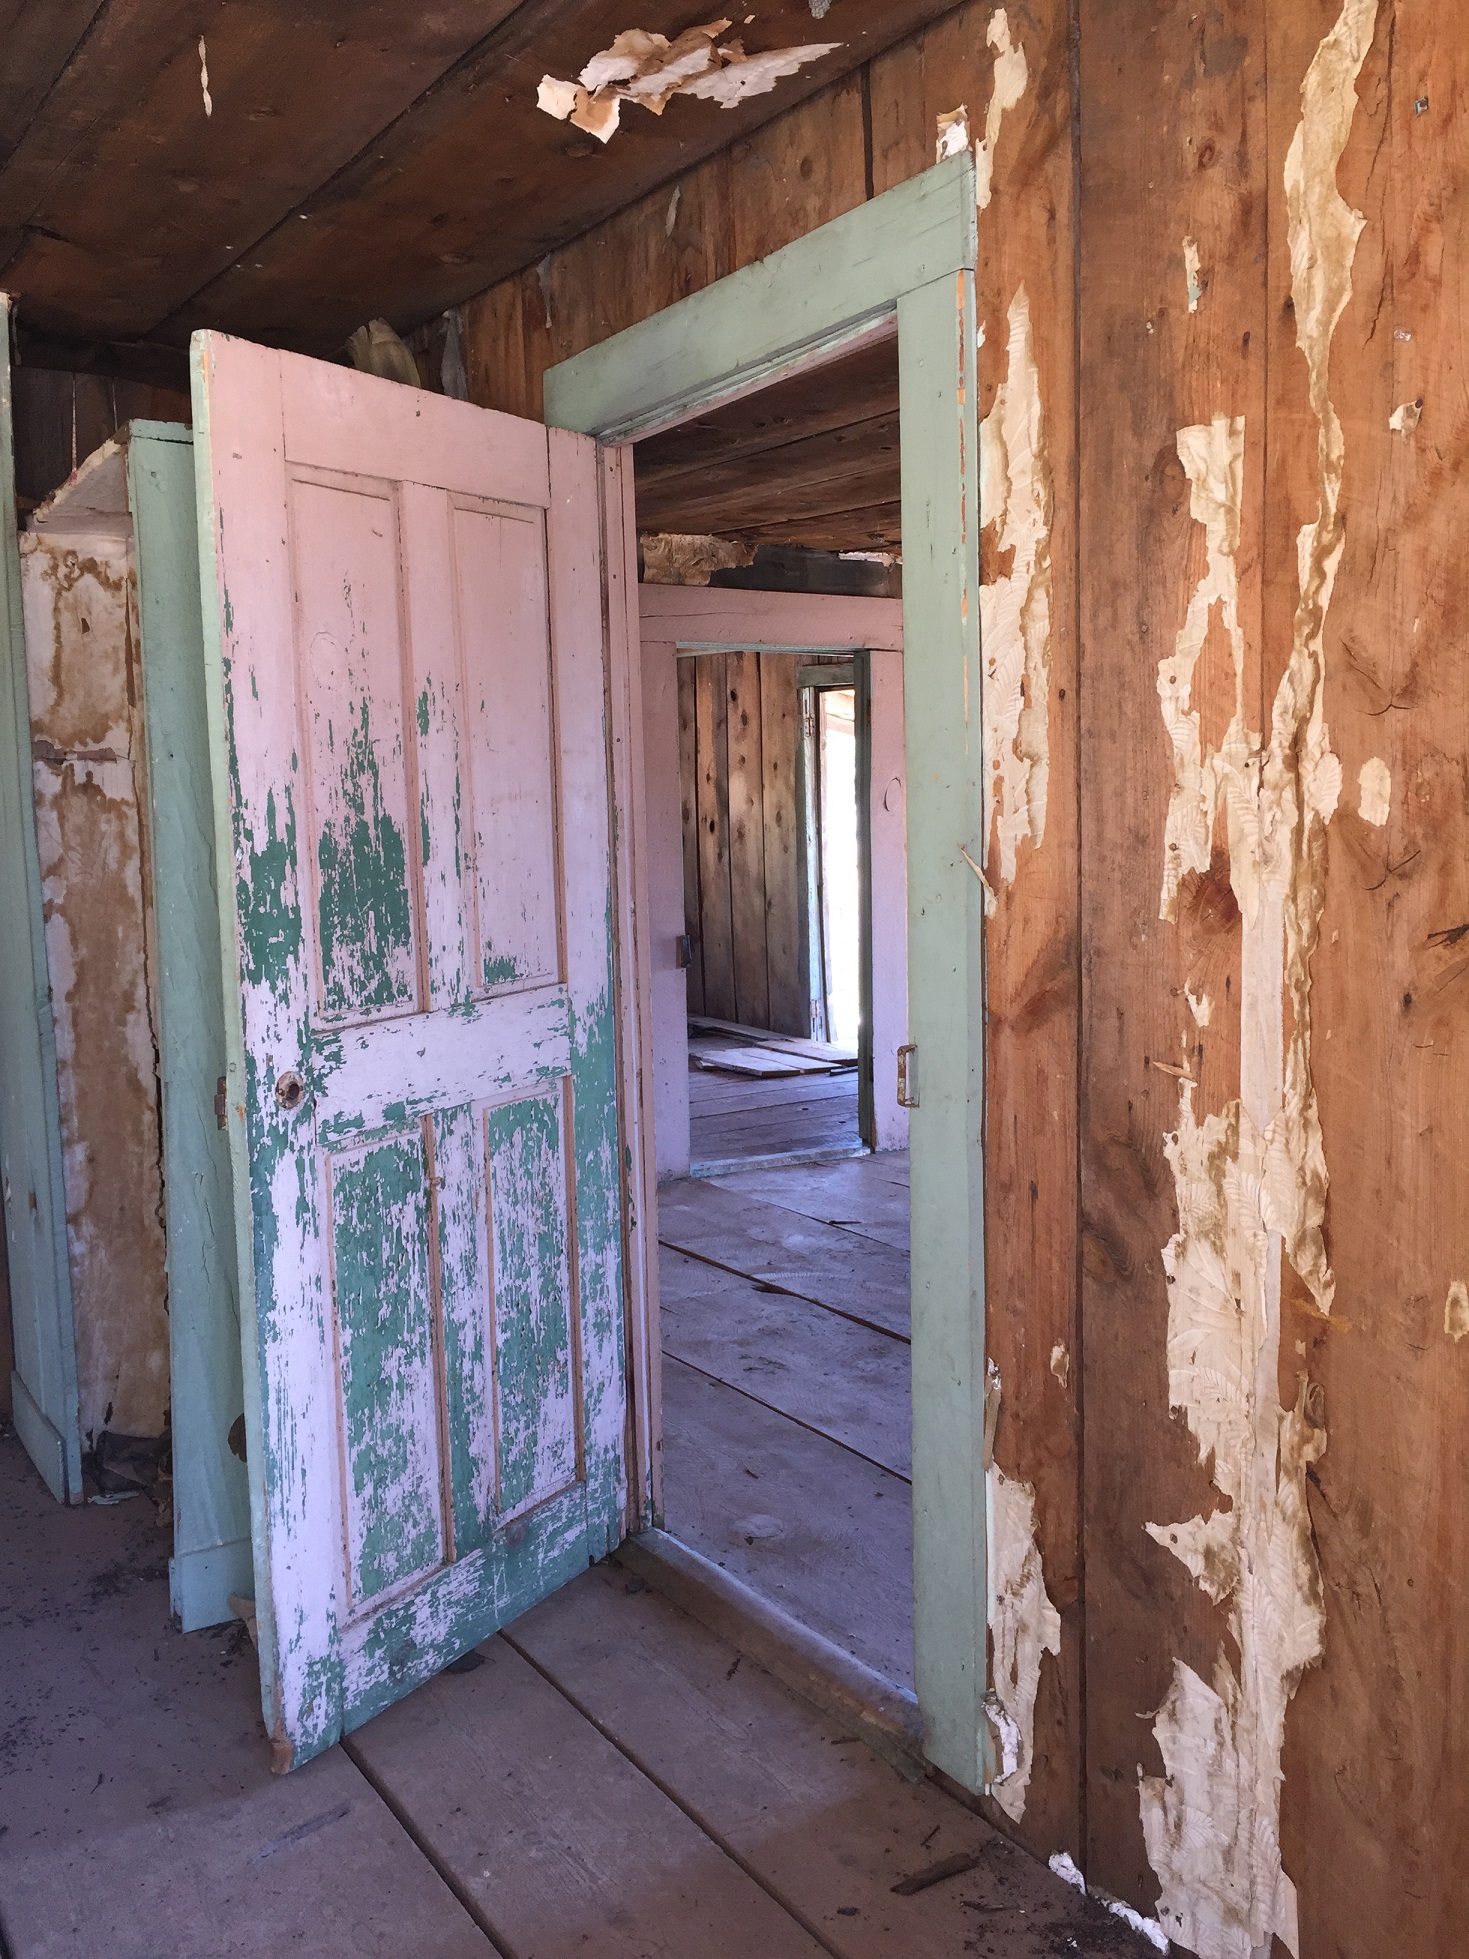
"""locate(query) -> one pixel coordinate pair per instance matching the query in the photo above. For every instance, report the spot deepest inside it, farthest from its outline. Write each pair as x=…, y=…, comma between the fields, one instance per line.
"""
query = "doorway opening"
x=773, y=895
x=783, y=1225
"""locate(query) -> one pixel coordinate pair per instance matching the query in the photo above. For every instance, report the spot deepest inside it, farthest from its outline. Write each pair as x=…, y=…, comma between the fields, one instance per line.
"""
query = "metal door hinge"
x=683, y=951
x=908, y=1075
x=221, y=1106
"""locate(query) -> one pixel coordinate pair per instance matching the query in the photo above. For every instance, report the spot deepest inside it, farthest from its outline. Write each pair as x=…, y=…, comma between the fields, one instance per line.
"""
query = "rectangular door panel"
x=408, y=712
x=535, y=1358
x=349, y=629
x=500, y=580
x=383, y=1297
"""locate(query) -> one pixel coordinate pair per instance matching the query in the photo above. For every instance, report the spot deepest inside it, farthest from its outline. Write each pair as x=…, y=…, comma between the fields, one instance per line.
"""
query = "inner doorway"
x=773, y=747
x=774, y=889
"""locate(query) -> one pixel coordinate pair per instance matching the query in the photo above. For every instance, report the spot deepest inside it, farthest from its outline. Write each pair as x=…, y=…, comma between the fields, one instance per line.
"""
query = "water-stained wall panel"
x=87, y=748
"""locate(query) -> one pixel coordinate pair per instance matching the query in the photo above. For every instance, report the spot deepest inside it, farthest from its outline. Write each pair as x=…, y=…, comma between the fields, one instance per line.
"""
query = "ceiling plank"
x=765, y=487
x=475, y=183
x=859, y=387
x=122, y=198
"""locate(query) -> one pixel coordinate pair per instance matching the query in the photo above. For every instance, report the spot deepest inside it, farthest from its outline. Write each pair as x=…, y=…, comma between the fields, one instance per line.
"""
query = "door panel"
x=410, y=705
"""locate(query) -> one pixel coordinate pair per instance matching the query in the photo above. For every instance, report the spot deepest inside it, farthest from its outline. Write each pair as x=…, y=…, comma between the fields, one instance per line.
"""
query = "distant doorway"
x=774, y=890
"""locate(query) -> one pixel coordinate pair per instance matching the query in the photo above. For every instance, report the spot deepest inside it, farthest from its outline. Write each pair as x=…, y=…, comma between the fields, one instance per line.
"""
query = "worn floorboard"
x=831, y=1375
x=868, y=1195
x=767, y=1242
x=138, y=1814
x=811, y=1813
x=732, y=1117
x=564, y=1845
x=801, y=1520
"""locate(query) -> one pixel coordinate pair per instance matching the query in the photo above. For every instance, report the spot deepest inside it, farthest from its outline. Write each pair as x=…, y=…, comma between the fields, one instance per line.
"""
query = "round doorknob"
x=290, y=1090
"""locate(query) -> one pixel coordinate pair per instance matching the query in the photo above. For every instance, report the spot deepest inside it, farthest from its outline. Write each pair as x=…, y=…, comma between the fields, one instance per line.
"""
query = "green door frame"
x=43, y=1385
x=905, y=258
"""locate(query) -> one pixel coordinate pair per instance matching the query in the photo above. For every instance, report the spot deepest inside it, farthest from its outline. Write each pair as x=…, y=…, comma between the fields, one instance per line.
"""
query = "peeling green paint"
x=380, y=1252
x=364, y=902
x=533, y=1341
x=501, y=970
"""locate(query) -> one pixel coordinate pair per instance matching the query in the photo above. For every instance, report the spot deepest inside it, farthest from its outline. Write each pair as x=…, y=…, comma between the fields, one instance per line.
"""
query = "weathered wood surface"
x=798, y=1518
x=1376, y=1754
x=87, y=740
x=862, y=1279
x=436, y=1256
x=842, y=1380
x=559, y=1839
x=868, y=1196
x=136, y=1753
x=739, y=816
x=811, y=1814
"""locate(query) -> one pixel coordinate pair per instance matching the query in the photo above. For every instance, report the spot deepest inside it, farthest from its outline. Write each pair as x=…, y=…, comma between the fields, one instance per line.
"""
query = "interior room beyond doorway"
x=773, y=749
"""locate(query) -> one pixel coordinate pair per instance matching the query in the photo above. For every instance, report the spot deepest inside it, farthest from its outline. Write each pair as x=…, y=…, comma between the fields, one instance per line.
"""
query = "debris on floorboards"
x=613, y=1779
x=739, y=1121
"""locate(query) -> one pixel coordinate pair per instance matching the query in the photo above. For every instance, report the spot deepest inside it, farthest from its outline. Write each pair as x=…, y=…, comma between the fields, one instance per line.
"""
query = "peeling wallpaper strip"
x=1023, y=1623
x=1015, y=501
x=649, y=68
x=1011, y=75
x=1251, y=1181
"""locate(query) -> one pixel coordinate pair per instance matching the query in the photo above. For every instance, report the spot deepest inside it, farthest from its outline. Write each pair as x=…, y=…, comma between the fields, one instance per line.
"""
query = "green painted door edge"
x=937, y=345
x=44, y=1383
x=227, y=941
x=910, y=252
x=211, y=1498
x=811, y=298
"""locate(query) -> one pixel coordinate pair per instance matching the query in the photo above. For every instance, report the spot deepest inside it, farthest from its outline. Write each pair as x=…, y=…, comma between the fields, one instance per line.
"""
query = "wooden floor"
x=734, y=1120
x=609, y=1781
x=786, y=1407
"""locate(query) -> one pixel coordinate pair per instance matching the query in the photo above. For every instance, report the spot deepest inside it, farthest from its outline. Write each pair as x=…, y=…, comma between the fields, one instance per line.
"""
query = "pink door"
x=403, y=596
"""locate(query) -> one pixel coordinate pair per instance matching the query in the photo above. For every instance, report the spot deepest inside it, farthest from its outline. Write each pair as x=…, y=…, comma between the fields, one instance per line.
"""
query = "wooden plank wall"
x=1190, y=312
x=60, y=418
x=1179, y=268
x=739, y=731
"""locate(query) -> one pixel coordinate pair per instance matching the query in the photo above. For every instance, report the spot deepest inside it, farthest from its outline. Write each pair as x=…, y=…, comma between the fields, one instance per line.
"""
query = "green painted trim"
x=941, y=693
x=806, y=301
x=223, y=844
x=210, y=1487
x=199, y=1579
x=859, y=680
x=911, y=251
x=30, y=1111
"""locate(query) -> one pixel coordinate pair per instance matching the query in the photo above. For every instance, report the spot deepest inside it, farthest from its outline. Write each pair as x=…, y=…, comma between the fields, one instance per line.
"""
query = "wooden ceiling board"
x=407, y=167
x=843, y=468
x=38, y=42
x=813, y=461
x=127, y=199
x=859, y=387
